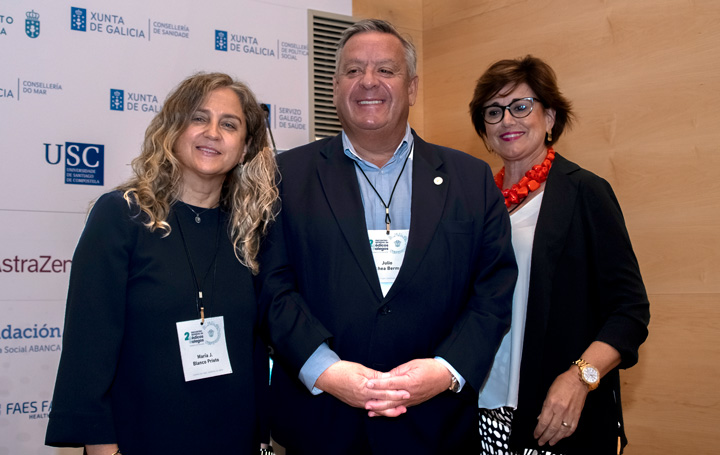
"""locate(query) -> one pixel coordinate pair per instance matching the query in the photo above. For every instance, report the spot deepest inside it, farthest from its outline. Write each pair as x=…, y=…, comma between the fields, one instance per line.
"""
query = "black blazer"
x=452, y=297
x=585, y=285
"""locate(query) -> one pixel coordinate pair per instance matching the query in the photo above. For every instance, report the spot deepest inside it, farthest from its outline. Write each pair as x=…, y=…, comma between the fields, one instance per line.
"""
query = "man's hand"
x=422, y=378
x=347, y=381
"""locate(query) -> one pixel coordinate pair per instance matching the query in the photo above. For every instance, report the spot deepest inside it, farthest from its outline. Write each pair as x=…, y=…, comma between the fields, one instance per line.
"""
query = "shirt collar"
x=402, y=149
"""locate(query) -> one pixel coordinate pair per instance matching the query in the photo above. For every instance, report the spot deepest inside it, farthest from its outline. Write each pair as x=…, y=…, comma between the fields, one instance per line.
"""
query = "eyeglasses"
x=519, y=108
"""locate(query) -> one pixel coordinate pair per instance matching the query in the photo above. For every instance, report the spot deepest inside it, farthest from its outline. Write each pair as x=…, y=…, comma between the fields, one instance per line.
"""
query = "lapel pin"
x=438, y=180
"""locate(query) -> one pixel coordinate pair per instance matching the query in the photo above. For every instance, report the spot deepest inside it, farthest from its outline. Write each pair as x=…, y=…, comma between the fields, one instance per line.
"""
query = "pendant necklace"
x=197, y=215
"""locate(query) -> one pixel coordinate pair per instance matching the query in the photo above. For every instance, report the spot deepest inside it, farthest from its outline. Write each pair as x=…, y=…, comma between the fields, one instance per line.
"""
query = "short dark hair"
x=538, y=75
x=380, y=26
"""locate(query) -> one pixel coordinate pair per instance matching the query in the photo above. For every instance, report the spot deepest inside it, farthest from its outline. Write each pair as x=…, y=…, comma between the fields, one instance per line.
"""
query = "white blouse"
x=502, y=384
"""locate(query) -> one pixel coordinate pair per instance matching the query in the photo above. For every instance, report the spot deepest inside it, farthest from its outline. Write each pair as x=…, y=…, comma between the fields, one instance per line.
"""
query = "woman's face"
x=215, y=140
x=519, y=139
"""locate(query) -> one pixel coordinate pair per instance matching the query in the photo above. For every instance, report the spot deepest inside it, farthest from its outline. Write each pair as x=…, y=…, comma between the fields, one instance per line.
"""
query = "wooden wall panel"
x=644, y=77
x=670, y=396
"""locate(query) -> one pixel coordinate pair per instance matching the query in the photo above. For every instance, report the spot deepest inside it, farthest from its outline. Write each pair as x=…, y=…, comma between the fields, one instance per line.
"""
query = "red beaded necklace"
x=532, y=180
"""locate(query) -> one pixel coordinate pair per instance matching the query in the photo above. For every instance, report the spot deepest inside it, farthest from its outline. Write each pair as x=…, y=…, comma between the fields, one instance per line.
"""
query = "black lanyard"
x=387, y=206
x=213, y=265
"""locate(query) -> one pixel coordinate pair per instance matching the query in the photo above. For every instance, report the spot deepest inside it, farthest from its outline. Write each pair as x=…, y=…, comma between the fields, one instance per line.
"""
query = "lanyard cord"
x=213, y=265
x=387, y=206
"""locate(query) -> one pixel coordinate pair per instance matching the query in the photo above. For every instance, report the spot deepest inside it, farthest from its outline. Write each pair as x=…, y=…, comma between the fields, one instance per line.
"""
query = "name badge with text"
x=388, y=251
x=203, y=348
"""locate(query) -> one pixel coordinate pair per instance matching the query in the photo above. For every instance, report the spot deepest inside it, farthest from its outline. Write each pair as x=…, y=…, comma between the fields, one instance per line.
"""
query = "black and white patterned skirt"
x=495, y=427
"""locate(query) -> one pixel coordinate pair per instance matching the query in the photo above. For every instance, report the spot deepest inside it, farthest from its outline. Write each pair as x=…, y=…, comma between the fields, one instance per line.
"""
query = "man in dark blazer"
x=387, y=277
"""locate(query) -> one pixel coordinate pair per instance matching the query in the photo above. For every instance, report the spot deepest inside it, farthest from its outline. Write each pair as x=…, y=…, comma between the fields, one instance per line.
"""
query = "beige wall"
x=644, y=76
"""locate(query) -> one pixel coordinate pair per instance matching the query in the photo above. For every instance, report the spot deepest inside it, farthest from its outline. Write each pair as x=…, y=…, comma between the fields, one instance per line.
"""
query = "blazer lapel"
x=550, y=233
x=429, y=191
x=339, y=182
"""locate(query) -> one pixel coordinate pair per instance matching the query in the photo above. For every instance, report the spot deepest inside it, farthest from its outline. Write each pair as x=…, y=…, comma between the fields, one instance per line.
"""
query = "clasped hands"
x=385, y=394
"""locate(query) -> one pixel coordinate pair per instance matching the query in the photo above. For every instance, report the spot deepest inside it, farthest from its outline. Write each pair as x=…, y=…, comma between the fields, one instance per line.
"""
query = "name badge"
x=388, y=251
x=203, y=348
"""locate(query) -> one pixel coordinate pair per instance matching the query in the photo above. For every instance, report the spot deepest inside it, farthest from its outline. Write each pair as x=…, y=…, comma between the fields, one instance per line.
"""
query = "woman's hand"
x=101, y=449
x=562, y=407
x=566, y=398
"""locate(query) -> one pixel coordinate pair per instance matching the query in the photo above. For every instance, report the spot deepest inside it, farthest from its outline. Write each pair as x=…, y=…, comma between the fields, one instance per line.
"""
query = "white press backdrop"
x=79, y=83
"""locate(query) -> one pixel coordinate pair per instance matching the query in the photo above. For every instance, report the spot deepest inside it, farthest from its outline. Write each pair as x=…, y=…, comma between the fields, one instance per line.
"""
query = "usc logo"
x=83, y=162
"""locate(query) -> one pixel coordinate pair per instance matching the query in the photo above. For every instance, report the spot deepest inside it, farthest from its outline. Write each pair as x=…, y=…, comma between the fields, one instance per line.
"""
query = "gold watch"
x=588, y=374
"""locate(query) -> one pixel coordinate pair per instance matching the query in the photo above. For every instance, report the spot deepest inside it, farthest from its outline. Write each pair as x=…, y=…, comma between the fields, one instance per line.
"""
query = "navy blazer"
x=585, y=285
x=452, y=297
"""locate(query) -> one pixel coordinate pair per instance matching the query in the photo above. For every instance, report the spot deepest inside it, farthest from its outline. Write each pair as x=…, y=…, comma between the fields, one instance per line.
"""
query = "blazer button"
x=385, y=310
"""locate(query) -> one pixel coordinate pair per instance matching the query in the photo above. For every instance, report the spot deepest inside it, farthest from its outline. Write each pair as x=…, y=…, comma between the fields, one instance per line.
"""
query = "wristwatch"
x=454, y=384
x=588, y=374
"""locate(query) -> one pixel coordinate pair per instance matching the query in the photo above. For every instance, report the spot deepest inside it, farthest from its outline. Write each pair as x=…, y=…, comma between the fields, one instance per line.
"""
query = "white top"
x=503, y=382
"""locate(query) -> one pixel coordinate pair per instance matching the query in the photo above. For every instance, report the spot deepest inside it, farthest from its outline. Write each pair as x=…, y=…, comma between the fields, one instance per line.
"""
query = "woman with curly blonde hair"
x=160, y=349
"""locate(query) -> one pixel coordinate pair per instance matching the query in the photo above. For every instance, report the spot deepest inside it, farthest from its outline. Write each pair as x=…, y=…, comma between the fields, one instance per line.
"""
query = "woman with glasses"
x=580, y=310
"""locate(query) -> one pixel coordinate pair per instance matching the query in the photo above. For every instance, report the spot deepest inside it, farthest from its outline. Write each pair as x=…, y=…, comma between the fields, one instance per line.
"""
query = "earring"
x=549, y=136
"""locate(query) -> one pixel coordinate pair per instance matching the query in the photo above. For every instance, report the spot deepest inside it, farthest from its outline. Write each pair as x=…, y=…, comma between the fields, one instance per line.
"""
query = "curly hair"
x=249, y=192
x=534, y=72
